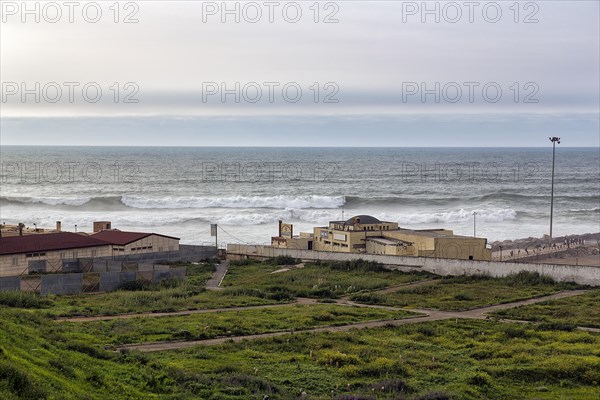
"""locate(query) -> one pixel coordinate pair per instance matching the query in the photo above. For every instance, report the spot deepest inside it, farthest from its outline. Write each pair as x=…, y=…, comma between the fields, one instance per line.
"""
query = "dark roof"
x=47, y=242
x=364, y=219
x=123, y=238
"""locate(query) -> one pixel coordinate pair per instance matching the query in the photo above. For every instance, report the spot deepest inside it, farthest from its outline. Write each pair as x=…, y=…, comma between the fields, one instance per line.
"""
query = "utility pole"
x=474, y=215
x=553, y=139
x=213, y=232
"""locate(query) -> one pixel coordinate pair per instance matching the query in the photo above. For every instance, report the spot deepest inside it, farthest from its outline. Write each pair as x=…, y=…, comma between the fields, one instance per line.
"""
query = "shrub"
x=480, y=379
x=462, y=297
x=336, y=358
x=282, y=260
x=368, y=298
x=555, y=326
x=136, y=285
x=515, y=332
x=242, y=262
x=90, y=350
x=19, y=299
x=19, y=383
x=355, y=265
x=426, y=330
x=434, y=396
x=65, y=369
x=279, y=293
x=527, y=278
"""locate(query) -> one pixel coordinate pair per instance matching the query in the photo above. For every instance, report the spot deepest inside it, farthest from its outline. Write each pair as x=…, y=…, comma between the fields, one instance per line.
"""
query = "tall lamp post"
x=553, y=139
x=474, y=216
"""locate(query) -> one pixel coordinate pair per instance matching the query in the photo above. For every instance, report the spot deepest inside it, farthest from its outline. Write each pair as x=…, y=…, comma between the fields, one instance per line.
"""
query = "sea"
x=497, y=193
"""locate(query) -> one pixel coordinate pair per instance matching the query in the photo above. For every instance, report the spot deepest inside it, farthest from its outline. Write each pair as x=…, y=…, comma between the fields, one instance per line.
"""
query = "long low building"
x=50, y=252
x=368, y=235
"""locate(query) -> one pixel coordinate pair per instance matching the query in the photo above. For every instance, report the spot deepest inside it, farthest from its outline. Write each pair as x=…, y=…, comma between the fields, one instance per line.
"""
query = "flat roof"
x=47, y=242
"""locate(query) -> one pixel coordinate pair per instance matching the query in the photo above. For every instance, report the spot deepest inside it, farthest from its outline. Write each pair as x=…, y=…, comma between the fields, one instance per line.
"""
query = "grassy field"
x=581, y=310
x=454, y=359
x=464, y=360
x=466, y=292
x=40, y=359
x=326, y=280
x=222, y=324
x=165, y=297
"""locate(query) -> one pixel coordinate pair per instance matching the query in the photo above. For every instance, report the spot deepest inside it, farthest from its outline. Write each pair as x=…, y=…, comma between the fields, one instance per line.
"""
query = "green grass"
x=166, y=297
x=20, y=299
x=165, y=300
x=456, y=359
x=464, y=359
x=326, y=280
x=580, y=310
x=467, y=292
x=223, y=324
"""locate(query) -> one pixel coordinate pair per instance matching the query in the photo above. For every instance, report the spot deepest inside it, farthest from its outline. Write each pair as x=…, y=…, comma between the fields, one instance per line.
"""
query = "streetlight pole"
x=553, y=139
x=474, y=215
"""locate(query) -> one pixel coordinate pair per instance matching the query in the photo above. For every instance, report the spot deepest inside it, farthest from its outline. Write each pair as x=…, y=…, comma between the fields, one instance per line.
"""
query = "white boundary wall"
x=584, y=275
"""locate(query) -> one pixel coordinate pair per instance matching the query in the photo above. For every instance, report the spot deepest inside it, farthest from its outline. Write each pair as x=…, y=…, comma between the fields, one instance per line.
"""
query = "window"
x=75, y=253
x=29, y=255
x=94, y=253
x=15, y=261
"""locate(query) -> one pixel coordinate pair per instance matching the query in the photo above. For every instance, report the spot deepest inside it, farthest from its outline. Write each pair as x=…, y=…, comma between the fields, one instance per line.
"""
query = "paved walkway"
x=214, y=283
x=429, y=315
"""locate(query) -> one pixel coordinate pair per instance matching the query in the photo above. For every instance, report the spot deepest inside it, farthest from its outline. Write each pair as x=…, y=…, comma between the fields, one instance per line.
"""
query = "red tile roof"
x=47, y=242
x=122, y=238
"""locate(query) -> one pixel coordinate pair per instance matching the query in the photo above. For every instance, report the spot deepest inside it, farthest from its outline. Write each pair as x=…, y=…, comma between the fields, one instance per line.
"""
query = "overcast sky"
x=357, y=81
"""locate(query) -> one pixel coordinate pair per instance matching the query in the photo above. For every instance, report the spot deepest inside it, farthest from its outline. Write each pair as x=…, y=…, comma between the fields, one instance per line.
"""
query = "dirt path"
x=345, y=300
x=429, y=315
x=214, y=283
x=395, y=288
x=301, y=301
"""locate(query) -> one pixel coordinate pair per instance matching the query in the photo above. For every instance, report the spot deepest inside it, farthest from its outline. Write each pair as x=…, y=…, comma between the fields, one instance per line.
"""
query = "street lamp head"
x=555, y=139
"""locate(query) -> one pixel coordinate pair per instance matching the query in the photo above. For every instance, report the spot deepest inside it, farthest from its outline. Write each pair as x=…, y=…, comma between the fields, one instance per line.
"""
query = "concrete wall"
x=584, y=275
x=79, y=282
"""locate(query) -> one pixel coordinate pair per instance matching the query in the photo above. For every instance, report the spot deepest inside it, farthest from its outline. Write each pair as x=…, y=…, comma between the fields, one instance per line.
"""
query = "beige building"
x=50, y=252
x=47, y=252
x=367, y=234
x=128, y=243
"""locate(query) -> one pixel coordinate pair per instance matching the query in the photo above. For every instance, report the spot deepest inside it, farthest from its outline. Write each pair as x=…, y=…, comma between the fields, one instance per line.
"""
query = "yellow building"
x=367, y=234
x=287, y=240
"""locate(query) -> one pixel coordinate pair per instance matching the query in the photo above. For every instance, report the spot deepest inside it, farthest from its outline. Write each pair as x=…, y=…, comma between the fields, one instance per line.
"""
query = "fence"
x=584, y=275
x=73, y=283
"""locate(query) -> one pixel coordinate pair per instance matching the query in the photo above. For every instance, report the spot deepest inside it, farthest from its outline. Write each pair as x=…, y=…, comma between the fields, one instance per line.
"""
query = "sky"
x=342, y=73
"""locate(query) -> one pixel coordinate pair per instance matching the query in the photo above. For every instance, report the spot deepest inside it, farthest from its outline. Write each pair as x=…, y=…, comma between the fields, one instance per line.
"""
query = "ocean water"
x=180, y=191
